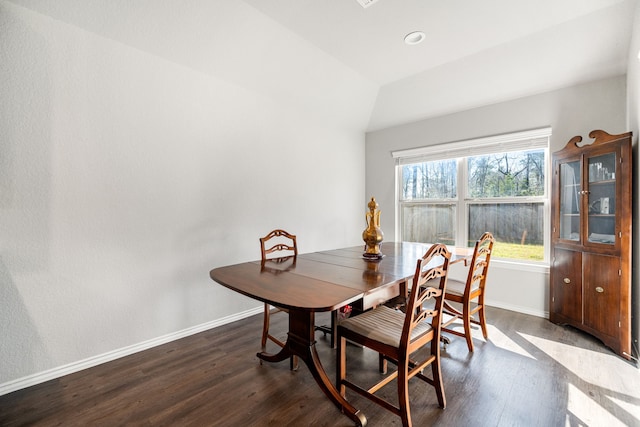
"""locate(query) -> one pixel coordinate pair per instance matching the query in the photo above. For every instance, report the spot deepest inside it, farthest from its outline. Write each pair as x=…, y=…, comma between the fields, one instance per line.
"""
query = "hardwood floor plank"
x=529, y=372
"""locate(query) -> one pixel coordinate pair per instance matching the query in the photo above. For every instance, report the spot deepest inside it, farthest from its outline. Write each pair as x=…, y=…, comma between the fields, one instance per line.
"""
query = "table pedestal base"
x=301, y=342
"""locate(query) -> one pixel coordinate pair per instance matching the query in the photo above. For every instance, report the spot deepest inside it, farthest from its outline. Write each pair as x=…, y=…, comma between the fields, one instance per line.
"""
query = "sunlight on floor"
x=609, y=364
x=504, y=342
x=631, y=408
x=583, y=411
x=596, y=373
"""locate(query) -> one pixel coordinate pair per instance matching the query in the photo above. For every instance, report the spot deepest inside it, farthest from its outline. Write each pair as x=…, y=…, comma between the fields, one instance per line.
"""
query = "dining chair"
x=470, y=293
x=277, y=248
x=398, y=335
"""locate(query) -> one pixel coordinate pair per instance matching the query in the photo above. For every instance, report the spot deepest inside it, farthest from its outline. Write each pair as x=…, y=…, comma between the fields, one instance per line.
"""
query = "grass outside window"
x=518, y=251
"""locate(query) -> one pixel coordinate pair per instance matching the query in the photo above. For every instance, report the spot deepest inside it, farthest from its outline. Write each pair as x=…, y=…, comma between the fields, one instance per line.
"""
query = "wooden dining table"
x=321, y=282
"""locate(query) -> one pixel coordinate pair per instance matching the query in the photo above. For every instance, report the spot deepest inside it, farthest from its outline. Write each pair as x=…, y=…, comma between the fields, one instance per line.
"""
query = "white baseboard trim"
x=518, y=309
x=90, y=362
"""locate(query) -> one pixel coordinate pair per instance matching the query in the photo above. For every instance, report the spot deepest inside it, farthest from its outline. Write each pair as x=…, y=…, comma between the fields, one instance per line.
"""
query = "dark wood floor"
x=529, y=373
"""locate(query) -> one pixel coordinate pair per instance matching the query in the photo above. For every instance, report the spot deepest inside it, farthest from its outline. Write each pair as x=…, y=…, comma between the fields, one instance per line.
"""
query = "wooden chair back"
x=479, y=265
x=419, y=309
x=471, y=291
x=280, y=243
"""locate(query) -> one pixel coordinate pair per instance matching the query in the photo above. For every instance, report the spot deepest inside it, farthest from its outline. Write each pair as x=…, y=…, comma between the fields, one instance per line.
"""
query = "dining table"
x=325, y=281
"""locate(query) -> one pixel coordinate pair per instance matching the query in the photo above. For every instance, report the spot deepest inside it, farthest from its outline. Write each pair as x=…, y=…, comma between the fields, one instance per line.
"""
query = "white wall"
x=126, y=176
x=572, y=111
x=633, y=124
x=129, y=167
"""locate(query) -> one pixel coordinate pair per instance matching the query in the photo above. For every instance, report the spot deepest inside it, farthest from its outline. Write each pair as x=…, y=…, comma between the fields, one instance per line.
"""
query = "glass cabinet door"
x=601, y=225
x=570, y=190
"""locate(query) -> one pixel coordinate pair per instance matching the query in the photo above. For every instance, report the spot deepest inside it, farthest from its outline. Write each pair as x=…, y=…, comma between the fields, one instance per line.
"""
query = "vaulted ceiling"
x=475, y=53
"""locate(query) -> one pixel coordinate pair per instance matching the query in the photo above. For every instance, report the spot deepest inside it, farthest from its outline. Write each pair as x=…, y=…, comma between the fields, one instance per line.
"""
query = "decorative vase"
x=372, y=235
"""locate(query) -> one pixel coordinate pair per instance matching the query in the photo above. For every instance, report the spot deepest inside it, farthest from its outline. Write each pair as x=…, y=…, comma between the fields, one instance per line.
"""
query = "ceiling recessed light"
x=414, y=37
x=366, y=3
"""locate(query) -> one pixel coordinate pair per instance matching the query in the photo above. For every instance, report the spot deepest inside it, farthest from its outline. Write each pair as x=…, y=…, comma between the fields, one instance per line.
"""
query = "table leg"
x=301, y=342
x=283, y=354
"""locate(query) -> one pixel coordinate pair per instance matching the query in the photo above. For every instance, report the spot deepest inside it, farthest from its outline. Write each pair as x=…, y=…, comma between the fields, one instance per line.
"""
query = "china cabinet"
x=591, y=238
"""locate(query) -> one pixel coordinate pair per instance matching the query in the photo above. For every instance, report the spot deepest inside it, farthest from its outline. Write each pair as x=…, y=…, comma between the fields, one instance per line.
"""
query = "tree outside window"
x=504, y=193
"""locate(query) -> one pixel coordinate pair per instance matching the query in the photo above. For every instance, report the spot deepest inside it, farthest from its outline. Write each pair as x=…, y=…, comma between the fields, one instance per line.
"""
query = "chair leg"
x=403, y=392
x=382, y=363
x=437, y=375
x=265, y=328
x=293, y=360
x=481, y=318
x=466, y=318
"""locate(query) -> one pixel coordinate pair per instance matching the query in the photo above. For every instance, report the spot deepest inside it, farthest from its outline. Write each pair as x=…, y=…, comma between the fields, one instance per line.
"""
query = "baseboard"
x=90, y=362
x=518, y=309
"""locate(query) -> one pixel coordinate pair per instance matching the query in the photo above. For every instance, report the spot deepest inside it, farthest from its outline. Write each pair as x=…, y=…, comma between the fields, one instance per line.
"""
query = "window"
x=452, y=193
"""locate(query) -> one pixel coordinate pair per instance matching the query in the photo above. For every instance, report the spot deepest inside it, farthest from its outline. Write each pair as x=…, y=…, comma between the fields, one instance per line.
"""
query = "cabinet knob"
x=599, y=289
x=566, y=280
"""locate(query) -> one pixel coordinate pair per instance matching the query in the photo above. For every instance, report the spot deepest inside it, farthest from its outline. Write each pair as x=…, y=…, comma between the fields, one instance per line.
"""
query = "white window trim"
x=517, y=141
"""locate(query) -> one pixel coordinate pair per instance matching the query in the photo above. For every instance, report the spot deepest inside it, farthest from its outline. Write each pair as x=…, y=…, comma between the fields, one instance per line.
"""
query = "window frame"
x=538, y=139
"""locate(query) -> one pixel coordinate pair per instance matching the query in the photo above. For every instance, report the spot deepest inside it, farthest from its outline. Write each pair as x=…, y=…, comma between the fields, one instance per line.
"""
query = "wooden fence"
x=509, y=222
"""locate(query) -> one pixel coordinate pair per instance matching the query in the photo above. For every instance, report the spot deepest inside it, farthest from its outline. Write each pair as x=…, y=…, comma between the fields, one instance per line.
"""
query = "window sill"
x=532, y=267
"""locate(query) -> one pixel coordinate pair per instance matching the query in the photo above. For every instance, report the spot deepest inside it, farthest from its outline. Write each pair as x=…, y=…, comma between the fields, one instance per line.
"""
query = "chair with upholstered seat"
x=470, y=293
x=397, y=336
x=278, y=248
